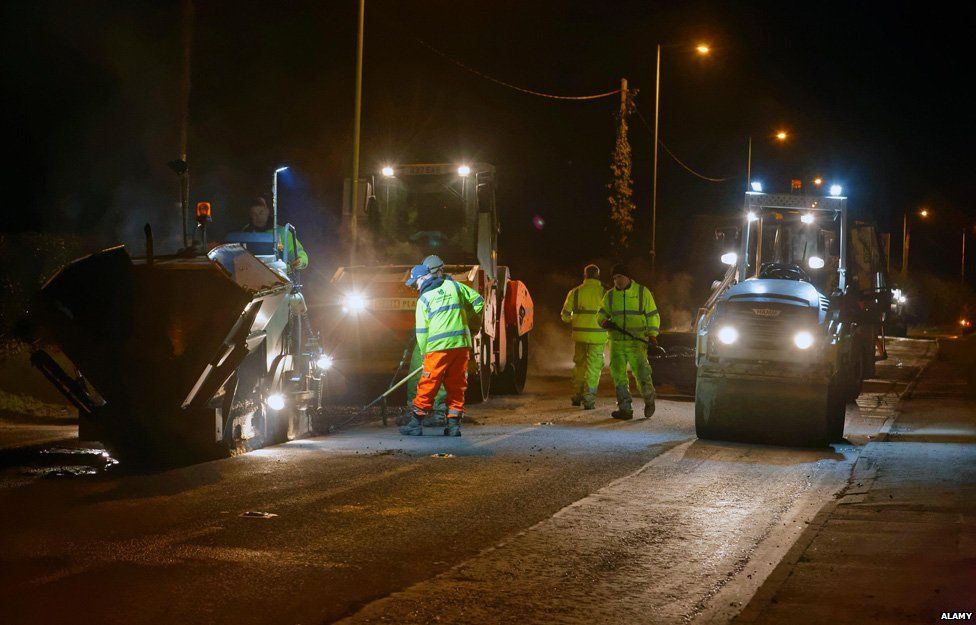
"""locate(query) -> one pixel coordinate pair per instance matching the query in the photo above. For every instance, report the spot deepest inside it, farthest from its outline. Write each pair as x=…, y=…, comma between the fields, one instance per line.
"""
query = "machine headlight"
x=730, y=258
x=275, y=401
x=815, y=262
x=354, y=303
x=324, y=362
x=803, y=339
x=728, y=335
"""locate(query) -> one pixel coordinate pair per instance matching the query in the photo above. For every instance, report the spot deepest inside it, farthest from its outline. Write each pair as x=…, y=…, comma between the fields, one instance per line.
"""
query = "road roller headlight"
x=803, y=339
x=727, y=335
x=275, y=401
x=324, y=362
x=354, y=303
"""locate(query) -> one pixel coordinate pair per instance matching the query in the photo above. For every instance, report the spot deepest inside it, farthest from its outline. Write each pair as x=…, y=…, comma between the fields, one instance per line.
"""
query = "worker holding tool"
x=446, y=310
x=581, y=308
x=630, y=314
x=437, y=417
x=260, y=221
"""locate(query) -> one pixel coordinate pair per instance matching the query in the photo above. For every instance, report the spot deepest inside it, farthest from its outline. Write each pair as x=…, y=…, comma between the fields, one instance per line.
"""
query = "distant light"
x=751, y=216
x=818, y=181
x=275, y=401
x=464, y=170
x=728, y=335
x=803, y=339
x=730, y=258
x=538, y=222
x=924, y=212
x=902, y=299
x=756, y=186
x=703, y=48
x=388, y=171
x=279, y=170
x=836, y=190
x=324, y=362
x=782, y=135
x=815, y=262
x=807, y=218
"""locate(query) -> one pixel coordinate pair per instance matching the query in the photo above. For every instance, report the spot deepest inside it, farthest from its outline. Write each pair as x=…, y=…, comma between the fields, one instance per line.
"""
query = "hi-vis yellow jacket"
x=581, y=309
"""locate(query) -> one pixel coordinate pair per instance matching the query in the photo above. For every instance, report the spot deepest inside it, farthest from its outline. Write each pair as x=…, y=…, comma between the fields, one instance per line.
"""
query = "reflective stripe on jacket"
x=444, y=315
x=581, y=309
x=632, y=309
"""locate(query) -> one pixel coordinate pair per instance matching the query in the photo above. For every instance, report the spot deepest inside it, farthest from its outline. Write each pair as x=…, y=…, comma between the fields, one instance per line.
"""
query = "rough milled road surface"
x=540, y=513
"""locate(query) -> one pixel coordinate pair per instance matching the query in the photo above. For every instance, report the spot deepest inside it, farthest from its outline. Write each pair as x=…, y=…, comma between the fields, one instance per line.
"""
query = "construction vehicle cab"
x=404, y=214
x=788, y=335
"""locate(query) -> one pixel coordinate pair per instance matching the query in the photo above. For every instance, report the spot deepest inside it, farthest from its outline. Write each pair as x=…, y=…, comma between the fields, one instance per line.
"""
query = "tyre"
x=511, y=381
x=855, y=381
x=479, y=376
x=836, y=414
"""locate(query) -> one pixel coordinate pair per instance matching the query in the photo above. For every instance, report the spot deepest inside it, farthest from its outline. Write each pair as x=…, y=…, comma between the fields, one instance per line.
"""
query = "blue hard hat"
x=418, y=272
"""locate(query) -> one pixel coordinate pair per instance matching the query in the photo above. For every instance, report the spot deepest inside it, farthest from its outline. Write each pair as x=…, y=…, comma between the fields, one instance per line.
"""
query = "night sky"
x=874, y=95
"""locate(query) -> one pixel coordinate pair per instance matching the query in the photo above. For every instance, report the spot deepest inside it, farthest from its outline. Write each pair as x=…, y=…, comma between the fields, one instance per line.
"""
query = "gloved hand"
x=652, y=340
x=605, y=324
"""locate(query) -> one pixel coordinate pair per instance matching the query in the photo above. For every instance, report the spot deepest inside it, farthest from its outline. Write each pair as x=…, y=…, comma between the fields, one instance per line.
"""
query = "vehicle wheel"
x=836, y=415
x=856, y=380
x=479, y=378
x=511, y=381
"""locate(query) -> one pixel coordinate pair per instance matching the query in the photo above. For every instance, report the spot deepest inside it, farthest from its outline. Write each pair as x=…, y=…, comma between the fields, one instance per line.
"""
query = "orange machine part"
x=519, y=309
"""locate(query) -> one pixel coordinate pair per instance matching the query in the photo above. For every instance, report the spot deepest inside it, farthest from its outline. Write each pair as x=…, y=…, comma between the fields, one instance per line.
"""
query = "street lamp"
x=274, y=205
x=703, y=49
x=780, y=136
x=906, y=236
x=818, y=181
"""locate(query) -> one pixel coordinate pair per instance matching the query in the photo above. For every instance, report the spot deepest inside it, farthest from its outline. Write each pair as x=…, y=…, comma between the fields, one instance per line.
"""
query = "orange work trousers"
x=450, y=368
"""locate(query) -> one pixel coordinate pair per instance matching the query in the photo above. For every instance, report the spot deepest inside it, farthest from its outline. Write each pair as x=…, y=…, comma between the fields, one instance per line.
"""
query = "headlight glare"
x=324, y=362
x=354, y=303
x=275, y=401
x=728, y=335
x=803, y=339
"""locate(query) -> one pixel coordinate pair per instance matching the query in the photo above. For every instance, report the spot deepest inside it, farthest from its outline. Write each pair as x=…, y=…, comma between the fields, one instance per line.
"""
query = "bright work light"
x=728, y=335
x=803, y=339
x=275, y=401
x=464, y=170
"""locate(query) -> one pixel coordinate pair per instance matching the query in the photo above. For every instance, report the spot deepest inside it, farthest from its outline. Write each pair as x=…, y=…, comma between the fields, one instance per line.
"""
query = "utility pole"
x=657, y=106
x=180, y=166
x=353, y=222
x=962, y=262
x=904, y=243
x=749, y=166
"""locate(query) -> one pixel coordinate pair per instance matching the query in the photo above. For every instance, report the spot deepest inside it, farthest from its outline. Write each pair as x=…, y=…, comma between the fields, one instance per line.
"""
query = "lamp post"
x=906, y=237
x=781, y=136
x=274, y=205
x=702, y=49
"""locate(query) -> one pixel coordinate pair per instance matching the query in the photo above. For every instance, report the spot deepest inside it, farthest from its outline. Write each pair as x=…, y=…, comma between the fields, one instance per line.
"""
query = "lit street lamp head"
x=703, y=49
x=281, y=169
x=388, y=171
x=782, y=135
x=923, y=213
x=818, y=181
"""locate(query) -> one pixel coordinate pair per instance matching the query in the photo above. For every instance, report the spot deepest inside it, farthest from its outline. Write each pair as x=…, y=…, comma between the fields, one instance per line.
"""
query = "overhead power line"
x=678, y=160
x=541, y=94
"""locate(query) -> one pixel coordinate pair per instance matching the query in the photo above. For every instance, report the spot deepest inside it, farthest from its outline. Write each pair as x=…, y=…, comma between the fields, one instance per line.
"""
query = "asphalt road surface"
x=539, y=513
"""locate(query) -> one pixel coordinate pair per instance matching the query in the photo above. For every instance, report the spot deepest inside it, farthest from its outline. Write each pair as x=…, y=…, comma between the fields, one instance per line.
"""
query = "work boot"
x=589, y=400
x=576, y=401
x=413, y=427
x=436, y=419
x=625, y=408
x=453, y=426
x=649, y=404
